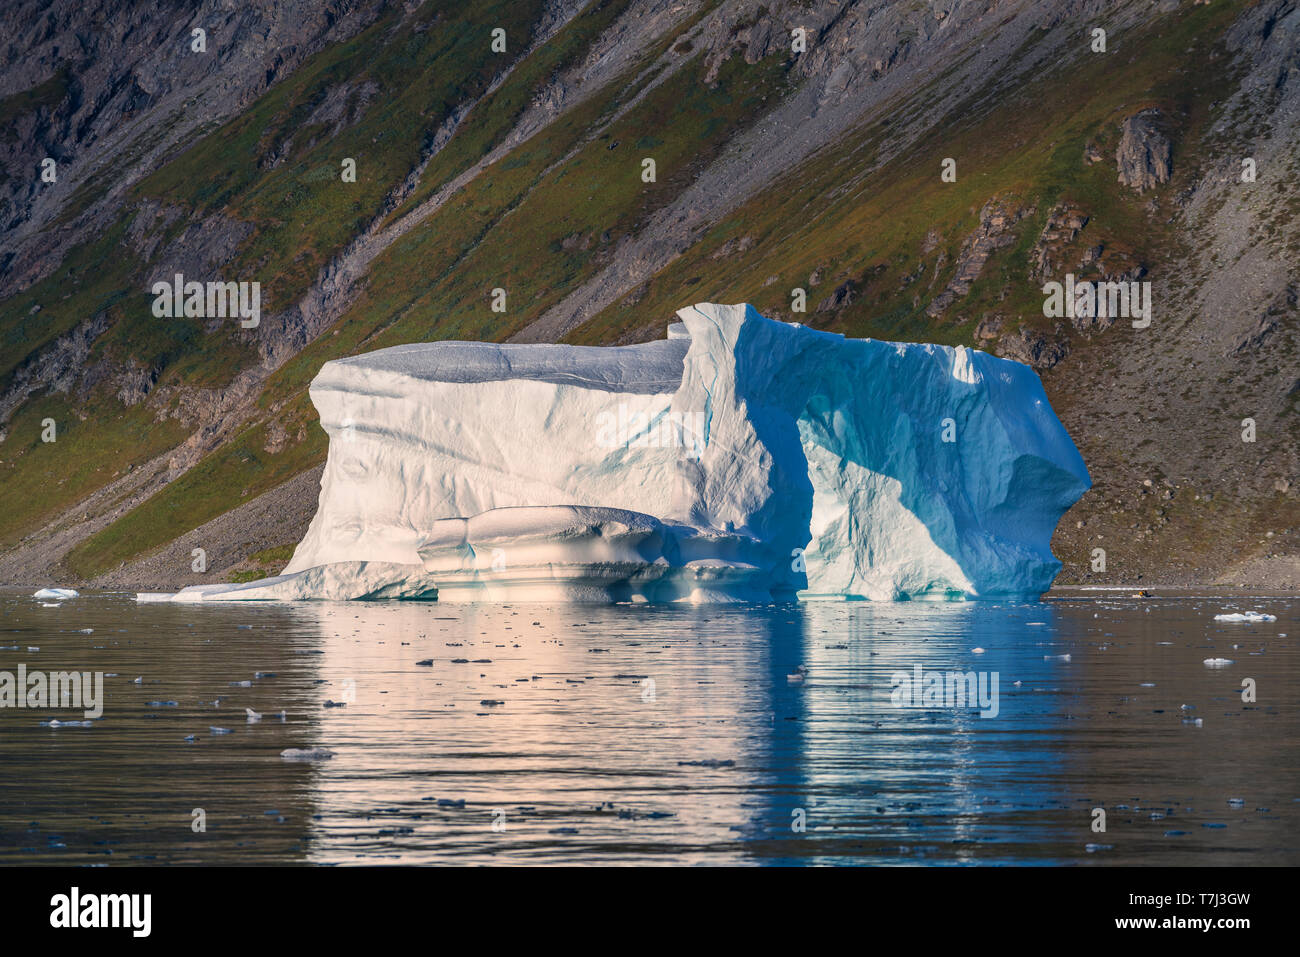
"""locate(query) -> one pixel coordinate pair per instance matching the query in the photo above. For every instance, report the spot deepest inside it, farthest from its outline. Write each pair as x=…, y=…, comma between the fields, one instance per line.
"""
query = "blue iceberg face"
x=740, y=459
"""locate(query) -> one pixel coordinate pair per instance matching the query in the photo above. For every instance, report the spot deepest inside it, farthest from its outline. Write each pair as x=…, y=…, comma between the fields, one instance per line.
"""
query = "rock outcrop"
x=1144, y=153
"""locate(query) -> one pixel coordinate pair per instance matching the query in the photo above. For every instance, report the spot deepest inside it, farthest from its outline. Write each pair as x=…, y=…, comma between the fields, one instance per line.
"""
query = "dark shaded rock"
x=843, y=295
x=1269, y=323
x=1036, y=349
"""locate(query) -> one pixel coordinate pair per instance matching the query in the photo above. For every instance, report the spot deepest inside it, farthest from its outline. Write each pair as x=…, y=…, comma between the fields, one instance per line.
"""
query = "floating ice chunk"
x=56, y=594
x=1218, y=662
x=763, y=460
x=252, y=715
x=977, y=651
x=216, y=730
x=306, y=754
x=1246, y=616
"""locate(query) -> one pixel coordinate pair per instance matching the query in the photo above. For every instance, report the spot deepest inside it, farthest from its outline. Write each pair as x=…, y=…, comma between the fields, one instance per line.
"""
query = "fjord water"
x=621, y=734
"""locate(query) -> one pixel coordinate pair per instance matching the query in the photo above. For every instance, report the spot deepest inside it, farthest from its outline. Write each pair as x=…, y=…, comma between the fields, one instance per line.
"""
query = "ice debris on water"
x=56, y=594
x=252, y=715
x=306, y=754
x=1246, y=616
x=1218, y=662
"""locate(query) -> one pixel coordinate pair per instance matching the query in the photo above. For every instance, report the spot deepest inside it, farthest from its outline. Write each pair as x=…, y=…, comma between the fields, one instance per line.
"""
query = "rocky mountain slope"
x=908, y=170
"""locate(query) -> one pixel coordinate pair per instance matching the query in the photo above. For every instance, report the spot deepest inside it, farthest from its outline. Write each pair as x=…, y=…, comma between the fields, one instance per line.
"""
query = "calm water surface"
x=654, y=734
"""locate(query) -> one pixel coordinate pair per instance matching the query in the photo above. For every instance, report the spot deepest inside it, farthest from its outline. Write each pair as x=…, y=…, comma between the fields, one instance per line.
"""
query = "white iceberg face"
x=740, y=459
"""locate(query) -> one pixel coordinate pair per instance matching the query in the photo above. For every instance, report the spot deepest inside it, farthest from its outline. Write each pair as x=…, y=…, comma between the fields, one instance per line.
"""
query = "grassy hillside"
x=869, y=230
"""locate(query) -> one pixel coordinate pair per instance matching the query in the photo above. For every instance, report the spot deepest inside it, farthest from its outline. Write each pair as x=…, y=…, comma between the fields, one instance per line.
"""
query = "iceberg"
x=738, y=459
x=56, y=594
x=1254, y=616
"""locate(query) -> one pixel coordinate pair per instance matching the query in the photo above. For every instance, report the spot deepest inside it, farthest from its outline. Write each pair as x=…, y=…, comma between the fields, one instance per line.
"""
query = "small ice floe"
x=1094, y=848
x=33, y=648
x=191, y=737
x=215, y=730
x=799, y=674
x=259, y=675
x=1246, y=616
x=1236, y=802
x=1056, y=657
x=138, y=681
x=252, y=715
x=161, y=704
x=977, y=651
x=56, y=594
x=1147, y=684
x=56, y=723
x=50, y=604
x=306, y=754
x=1218, y=662
x=1195, y=722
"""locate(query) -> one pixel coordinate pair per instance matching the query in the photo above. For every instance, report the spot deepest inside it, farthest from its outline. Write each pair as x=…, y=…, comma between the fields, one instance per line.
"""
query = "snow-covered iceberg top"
x=738, y=459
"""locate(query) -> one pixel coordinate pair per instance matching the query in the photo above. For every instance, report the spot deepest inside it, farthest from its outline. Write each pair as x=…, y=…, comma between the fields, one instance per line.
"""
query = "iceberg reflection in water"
x=554, y=734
